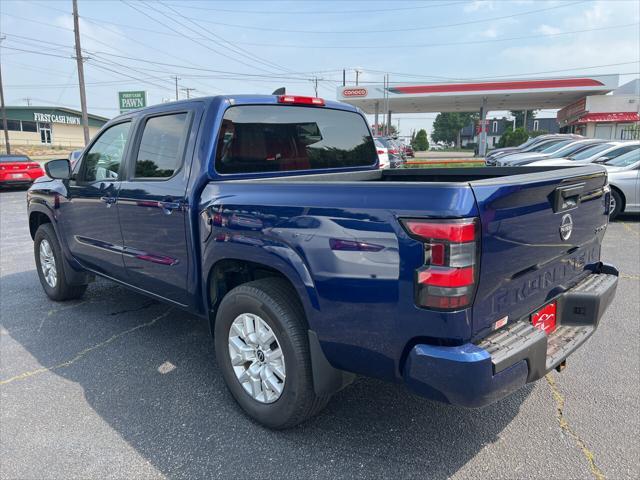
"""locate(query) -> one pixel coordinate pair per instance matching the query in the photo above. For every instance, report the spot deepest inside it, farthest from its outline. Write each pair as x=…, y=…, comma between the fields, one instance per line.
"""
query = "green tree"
x=448, y=125
x=420, y=142
x=513, y=138
x=519, y=116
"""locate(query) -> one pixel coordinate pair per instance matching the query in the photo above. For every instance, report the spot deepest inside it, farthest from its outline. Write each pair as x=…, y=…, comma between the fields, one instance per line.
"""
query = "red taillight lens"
x=452, y=232
x=447, y=280
x=299, y=100
x=393, y=151
x=380, y=152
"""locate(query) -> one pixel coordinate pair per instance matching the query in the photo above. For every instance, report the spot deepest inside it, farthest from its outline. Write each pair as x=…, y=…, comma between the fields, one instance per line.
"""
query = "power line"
x=208, y=47
x=325, y=12
x=240, y=50
x=398, y=29
x=444, y=44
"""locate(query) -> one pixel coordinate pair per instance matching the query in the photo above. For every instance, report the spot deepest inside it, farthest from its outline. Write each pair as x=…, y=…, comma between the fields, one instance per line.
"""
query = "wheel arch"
x=37, y=217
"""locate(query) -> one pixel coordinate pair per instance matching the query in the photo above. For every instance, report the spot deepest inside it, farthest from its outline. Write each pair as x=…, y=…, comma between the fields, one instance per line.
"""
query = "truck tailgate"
x=541, y=234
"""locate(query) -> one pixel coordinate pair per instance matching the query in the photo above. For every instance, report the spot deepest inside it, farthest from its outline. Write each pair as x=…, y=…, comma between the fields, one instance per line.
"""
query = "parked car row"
x=390, y=152
x=620, y=158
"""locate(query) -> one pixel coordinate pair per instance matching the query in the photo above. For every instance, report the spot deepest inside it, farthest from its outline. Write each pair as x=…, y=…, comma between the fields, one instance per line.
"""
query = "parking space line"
x=564, y=425
x=629, y=277
x=627, y=227
x=82, y=353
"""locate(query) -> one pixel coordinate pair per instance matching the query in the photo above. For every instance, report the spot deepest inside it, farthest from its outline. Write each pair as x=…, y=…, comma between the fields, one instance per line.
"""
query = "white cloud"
x=478, y=5
x=545, y=29
x=490, y=32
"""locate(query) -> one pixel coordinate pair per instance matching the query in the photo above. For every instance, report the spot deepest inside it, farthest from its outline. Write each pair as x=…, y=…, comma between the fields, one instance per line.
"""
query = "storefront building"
x=49, y=126
x=611, y=117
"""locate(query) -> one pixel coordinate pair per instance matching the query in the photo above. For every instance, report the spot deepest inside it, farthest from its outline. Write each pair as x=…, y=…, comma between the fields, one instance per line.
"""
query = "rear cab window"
x=277, y=138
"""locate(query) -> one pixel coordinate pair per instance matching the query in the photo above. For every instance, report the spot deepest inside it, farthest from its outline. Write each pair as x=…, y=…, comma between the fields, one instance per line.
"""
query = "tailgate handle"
x=567, y=198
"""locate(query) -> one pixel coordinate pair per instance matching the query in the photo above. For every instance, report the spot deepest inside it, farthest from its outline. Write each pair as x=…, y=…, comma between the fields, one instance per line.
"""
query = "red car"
x=408, y=151
x=16, y=170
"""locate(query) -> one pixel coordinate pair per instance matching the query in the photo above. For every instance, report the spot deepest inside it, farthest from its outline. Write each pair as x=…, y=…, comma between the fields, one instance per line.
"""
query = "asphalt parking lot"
x=119, y=386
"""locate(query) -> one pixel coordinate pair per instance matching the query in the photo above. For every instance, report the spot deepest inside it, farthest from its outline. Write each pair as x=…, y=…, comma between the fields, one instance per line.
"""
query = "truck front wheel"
x=49, y=263
x=262, y=349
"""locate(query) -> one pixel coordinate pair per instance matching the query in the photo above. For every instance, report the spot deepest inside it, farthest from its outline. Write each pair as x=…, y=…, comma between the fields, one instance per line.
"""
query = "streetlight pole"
x=79, y=60
x=4, y=116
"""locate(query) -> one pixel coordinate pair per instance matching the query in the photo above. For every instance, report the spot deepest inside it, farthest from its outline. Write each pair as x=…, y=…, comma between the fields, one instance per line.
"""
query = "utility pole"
x=28, y=101
x=79, y=60
x=187, y=91
x=176, y=78
x=357, y=75
x=315, y=85
x=344, y=77
x=4, y=115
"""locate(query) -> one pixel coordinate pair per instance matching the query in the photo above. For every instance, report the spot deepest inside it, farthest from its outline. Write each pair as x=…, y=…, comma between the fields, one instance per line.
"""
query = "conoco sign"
x=354, y=92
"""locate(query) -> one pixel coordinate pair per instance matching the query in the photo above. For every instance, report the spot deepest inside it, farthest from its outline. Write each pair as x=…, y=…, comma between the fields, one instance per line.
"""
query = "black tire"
x=273, y=300
x=61, y=290
x=617, y=198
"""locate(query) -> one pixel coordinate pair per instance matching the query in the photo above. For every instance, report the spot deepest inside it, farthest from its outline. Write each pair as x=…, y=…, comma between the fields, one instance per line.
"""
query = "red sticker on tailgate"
x=545, y=318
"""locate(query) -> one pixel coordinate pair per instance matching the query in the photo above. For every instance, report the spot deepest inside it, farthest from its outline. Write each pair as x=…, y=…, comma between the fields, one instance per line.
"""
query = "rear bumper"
x=474, y=375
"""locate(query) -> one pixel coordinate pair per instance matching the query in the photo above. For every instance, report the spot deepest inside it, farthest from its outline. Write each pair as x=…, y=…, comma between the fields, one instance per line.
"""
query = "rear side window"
x=274, y=138
x=161, y=150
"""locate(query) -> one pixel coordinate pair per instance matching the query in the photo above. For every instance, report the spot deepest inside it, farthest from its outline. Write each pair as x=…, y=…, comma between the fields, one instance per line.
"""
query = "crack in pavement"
x=564, y=425
x=82, y=353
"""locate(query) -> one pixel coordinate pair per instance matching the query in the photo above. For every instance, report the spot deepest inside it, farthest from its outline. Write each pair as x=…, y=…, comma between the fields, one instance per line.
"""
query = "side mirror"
x=602, y=160
x=59, y=169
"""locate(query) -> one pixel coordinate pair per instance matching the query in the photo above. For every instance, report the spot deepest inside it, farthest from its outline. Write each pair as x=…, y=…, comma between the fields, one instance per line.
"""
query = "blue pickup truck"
x=268, y=217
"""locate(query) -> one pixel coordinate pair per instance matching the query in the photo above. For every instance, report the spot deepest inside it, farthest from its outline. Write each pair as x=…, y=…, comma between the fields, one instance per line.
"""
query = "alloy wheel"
x=48, y=263
x=257, y=358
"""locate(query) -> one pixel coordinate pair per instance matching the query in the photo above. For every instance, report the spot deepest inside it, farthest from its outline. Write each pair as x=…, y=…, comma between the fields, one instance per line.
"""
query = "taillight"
x=393, y=151
x=298, y=100
x=33, y=165
x=380, y=152
x=447, y=279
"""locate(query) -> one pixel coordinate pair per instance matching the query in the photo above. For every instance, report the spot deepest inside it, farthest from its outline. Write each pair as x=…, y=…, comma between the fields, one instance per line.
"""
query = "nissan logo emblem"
x=354, y=92
x=566, y=226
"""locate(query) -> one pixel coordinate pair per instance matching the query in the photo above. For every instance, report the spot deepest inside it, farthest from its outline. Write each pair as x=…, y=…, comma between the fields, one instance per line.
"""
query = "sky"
x=248, y=46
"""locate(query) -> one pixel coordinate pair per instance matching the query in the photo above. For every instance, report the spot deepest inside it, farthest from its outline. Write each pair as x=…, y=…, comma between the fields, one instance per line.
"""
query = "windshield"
x=541, y=146
x=277, y=138
x=573, y=148
x=527, y=143
x=557, y=146
x=14, y=158
x=625, y=160
x=589, y=152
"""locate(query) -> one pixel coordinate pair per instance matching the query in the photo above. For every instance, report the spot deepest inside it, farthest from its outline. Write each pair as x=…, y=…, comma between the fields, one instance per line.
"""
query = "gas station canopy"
x=516, y=94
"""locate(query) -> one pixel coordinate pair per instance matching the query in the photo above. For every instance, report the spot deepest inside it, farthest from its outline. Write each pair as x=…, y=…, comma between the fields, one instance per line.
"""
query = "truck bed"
x=431, y=175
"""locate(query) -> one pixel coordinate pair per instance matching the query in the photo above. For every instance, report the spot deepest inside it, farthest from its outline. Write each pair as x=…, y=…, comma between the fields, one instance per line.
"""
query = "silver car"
x=624, y=178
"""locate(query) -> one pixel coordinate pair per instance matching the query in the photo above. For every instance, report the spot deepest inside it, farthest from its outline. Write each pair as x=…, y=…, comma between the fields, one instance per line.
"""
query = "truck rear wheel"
x=49, y=263
x=262, y=349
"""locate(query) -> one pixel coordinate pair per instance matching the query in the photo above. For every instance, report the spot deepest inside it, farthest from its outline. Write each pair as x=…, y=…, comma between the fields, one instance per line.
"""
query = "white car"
x=383, y=153
x=559, y=150
x=599, y=154
x=624, y=178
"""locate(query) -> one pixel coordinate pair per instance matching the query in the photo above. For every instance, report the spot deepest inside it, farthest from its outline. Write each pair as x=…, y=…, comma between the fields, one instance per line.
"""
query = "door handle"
x=109, y=200
x=169, y=207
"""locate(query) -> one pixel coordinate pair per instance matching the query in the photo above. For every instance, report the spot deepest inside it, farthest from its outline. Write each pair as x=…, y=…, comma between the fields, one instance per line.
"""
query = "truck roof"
x=241, y=99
